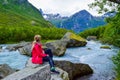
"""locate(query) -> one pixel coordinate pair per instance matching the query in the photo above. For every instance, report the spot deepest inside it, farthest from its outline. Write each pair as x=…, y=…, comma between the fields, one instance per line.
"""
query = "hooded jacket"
x=38, y=54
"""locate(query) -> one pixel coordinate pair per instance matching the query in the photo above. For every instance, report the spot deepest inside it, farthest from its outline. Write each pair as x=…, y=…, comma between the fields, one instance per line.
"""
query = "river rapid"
x=98, y=59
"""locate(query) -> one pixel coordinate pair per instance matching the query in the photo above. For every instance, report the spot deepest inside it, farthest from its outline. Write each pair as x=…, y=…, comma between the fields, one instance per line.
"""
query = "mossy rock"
x=73, y=40
x=105, y=47
x=76, y=37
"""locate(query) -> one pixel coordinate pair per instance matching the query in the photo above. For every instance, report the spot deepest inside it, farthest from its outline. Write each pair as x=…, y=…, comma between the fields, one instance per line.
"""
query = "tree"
x=106, y=5
x=116, y=1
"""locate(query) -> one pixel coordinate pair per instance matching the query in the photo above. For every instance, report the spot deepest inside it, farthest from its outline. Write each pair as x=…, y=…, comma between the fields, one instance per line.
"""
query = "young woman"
x=39, y=55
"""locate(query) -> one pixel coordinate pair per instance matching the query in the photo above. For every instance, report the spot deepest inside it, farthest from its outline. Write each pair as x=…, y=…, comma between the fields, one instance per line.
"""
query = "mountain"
x=20, y=13
x=78, y=22
x=55, y=19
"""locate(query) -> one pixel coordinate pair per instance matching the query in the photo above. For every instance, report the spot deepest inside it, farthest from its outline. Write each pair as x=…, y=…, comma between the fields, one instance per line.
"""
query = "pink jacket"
x=37, y=54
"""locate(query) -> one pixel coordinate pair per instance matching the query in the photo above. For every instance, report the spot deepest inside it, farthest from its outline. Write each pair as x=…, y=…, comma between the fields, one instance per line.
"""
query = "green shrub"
x=116, y=61
x=16, y=34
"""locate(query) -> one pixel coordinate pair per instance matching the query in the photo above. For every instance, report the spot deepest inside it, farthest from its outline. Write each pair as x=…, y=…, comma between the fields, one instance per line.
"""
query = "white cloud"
x=64, y=7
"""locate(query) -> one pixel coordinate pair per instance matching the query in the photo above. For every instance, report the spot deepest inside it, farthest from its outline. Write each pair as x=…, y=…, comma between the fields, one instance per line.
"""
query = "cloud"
x=64, y=7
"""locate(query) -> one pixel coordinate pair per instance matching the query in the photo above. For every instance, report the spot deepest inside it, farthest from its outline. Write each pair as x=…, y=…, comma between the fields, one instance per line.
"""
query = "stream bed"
x=98, y=59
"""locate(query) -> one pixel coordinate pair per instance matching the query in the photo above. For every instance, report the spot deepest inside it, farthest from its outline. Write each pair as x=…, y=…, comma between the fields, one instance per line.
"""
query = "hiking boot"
x=53, y=70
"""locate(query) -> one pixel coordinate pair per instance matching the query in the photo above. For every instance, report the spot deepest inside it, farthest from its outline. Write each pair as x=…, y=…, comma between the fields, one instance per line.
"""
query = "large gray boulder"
x=57, y=47
x=73, y=40
x=62, y=76
x=5, y=70
x=26, y=49
x=74, y=70
x=37, y=72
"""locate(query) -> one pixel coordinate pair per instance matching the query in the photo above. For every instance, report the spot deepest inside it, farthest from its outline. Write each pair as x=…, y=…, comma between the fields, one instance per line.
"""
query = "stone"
x=57, y=47
x=74, y=70
x=92, y=38
x=105, y=47
x=0, y=48
x=26, y=49
x=17, y=46
x=37, y=72
x=5, y=70
x=73, y=40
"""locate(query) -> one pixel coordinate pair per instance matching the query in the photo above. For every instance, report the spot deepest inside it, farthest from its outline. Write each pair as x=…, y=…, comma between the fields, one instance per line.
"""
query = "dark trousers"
x=49, y=58
x=49, y=52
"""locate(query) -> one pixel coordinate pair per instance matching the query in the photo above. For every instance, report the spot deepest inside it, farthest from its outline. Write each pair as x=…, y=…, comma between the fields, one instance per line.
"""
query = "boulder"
x=62, y=76
x=73, y=40
x=74, y=70
x=37, y=72
x=17, y=46
x=5, y=70
x=57, y=47
x=92, y=38
x=26, y=49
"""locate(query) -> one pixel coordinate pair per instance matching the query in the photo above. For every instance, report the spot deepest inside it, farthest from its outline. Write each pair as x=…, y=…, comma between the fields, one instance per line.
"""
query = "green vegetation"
x=116, y=60
x=20, y=13
x=20, y=21
x=16, y=34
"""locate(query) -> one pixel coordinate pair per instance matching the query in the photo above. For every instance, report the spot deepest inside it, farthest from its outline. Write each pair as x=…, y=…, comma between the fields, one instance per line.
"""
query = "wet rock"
x=92, y=38
x=57, y=47
x=74, y=70
x=5, y=70
x=89, y=49
x=105, y=47
x=73, y=40
x=0, y=48
x=17, y=46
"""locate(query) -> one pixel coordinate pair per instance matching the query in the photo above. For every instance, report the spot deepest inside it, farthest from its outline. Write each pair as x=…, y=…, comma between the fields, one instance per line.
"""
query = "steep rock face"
x=81, y=21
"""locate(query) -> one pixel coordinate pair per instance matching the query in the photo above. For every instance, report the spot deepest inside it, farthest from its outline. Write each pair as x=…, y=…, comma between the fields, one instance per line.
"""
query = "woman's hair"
x=37, y=37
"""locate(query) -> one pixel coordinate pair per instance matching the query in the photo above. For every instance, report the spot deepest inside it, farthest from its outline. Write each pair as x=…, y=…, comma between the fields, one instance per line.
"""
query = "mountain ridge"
x=79, y=21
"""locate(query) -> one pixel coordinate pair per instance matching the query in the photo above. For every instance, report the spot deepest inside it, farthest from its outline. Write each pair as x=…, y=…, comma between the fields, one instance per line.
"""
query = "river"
x=98, y=59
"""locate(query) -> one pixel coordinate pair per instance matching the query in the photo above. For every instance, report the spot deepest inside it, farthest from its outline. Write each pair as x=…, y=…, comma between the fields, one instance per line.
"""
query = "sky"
x=63, y=7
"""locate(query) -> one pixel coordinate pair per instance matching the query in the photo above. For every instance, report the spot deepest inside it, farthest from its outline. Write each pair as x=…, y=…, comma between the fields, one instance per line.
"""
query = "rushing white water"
x=13, y=58
x=98, y=59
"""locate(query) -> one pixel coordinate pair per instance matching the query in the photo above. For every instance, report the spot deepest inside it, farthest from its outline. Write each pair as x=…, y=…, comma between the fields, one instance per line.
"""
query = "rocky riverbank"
x=36, y=72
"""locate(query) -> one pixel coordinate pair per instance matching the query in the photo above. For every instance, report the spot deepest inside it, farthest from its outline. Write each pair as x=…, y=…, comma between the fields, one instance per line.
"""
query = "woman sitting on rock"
x=39, y=55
